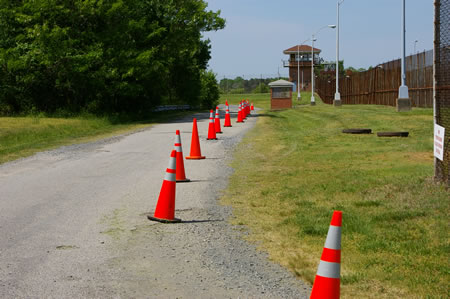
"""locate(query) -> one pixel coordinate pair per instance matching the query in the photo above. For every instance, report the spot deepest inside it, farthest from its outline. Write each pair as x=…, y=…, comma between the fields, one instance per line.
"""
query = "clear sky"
x=257, y=32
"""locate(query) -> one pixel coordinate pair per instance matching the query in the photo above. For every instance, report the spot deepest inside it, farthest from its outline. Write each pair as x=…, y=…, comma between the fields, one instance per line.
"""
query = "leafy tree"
x=261, y=88
x=238, y=82
x=354, y=70
x=209, y=96
x=240, y=85
x=102, y=56
x=237, y=91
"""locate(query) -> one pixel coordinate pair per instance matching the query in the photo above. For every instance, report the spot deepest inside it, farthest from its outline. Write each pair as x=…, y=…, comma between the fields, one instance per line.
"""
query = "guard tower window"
x=281, y=92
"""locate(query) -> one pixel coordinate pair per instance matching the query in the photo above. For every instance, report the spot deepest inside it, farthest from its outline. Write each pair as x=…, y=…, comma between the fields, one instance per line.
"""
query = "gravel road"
x=73, y=225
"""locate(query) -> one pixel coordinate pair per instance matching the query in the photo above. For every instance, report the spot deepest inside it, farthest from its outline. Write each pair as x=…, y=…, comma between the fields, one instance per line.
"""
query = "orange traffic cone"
x=226, y=102
x=239, y=117
x=217, y=122
x=165, y=208
x=227, y=116
x=211, y=128
x=245, y=109
x=180, y=175
x=327, y=282
x=248, y=108
x=251, y=107
x=196, y=153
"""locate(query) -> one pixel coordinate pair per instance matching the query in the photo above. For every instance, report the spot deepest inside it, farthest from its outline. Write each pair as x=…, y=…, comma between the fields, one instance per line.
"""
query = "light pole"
x=298, y=69
x=337, y=95
x=415, y=42
x=298, y=73
x=313, y=100
x=300, y=57
x=403, y=101
x=302, y=79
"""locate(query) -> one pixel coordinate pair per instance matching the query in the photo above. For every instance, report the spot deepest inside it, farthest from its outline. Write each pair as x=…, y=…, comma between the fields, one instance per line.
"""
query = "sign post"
x=439, y=133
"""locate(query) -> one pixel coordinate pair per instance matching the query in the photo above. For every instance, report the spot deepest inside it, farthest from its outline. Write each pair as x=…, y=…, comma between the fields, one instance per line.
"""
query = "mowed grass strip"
x=295, y=167
x=24, y=136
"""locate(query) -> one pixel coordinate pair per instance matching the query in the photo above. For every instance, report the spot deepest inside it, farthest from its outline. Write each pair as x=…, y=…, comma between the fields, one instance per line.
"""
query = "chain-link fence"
x=442, y=82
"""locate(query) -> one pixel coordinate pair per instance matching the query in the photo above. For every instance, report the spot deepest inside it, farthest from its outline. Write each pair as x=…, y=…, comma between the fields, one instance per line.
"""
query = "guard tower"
x=300, y=58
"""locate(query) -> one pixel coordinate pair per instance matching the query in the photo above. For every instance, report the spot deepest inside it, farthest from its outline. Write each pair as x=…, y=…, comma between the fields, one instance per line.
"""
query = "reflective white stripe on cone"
x=217, y=122
x=327, y=281
x=211, y=127
x=180, y=171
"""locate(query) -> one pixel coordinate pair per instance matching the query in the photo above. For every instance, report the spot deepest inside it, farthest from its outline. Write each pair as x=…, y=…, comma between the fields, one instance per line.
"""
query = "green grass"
x=262, y=100
x=24, y=136
x=296, y=167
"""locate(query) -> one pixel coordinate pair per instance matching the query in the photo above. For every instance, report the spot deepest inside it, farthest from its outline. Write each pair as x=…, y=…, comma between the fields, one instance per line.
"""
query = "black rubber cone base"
x=195, y=157
x=183, y=181
x=211, y=138
x=174, y=220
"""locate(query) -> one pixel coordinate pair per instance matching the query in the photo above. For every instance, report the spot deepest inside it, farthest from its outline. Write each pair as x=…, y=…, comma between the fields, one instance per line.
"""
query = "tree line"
x=240, y=85
x=105, y=56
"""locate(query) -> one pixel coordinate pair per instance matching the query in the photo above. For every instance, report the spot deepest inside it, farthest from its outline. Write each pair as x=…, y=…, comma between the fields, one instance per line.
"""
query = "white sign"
x=439, y=133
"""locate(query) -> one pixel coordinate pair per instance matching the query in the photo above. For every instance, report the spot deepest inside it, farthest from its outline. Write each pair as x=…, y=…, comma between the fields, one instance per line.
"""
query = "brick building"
x=280, y=94
x=300, y=57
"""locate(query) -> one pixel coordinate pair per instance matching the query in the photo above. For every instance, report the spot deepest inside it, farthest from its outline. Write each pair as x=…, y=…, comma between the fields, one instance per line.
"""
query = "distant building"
x=300, y=57
x=280, y=94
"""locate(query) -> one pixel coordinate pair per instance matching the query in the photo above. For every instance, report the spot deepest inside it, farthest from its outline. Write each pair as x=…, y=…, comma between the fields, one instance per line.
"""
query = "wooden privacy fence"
x=379, y=85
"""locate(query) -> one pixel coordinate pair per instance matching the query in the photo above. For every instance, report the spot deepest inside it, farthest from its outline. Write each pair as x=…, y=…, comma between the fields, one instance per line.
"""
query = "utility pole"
x=403, y=101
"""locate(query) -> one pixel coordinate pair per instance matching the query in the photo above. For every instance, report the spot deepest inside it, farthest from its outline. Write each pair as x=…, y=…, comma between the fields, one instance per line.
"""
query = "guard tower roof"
x=281, y=83
x=301, y=48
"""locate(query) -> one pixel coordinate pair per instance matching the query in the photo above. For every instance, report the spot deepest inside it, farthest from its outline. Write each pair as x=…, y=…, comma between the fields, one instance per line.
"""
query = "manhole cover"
x=392, y=134
x=357, y=131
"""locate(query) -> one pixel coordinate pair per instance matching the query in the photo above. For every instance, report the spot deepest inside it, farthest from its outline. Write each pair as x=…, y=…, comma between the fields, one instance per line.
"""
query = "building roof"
x=281, y=83
x=300, y=48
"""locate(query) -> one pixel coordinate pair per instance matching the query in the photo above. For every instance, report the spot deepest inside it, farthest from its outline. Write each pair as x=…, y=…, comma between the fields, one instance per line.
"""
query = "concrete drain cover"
x=357, y=131
x=392, y=134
